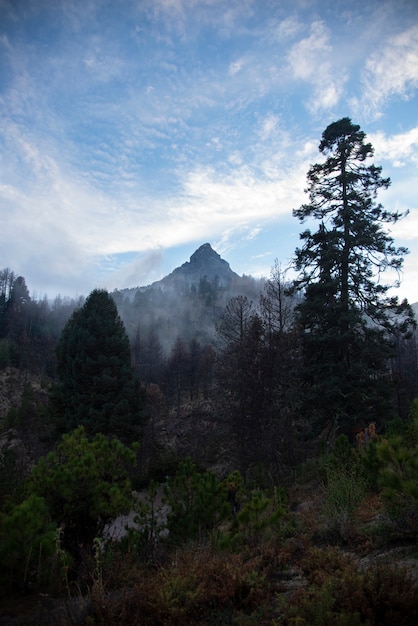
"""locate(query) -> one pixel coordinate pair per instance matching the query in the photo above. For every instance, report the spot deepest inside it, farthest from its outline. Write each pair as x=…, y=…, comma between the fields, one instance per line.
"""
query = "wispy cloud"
x=398, y=148
x=126, y=130
x=311, y=61
x=288, y=28
x=392, y=70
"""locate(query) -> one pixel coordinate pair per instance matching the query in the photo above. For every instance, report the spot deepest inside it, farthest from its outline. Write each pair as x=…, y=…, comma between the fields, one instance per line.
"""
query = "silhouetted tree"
x=241, y=376
x=7, y=278
x=97, y=387
x=177, y=372
x=282, y=366
x=346, y=317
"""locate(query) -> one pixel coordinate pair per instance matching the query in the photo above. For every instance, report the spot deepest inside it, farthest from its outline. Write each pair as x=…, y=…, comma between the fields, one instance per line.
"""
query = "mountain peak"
x=204, y=254
x=204, y=263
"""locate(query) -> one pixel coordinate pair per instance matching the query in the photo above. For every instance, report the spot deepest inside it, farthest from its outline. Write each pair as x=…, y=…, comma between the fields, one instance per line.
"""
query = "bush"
x=27, y=540
x=341, y=593
x=259, y=518
x=345, y=487
x=195, y=587
x=197, y=503
x=398, y=476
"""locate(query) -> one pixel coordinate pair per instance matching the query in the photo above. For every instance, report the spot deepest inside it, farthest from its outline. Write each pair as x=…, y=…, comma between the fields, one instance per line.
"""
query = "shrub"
x=259, y=518
x=344, y=490
x=341, y=593
x=197, y=502
x=196, y=587
x=27, y=540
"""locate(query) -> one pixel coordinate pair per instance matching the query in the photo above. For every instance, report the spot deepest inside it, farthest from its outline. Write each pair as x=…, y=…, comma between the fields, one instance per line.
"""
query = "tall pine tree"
x=97, y=387
x=346, y=316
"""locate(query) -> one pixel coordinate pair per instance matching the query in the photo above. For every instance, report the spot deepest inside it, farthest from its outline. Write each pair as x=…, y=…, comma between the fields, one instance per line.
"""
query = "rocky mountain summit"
x=204, y=264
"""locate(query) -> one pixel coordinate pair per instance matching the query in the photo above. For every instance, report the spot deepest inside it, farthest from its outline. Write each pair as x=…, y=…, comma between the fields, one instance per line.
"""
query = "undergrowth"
x=214, y=552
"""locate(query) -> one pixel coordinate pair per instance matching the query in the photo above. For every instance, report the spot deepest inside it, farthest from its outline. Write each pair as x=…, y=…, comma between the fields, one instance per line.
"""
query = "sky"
x=134, y=131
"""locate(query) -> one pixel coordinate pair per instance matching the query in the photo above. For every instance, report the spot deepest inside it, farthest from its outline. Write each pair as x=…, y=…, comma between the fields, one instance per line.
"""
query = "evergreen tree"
x=347, y=317
x=85, y=483
x=97, y=387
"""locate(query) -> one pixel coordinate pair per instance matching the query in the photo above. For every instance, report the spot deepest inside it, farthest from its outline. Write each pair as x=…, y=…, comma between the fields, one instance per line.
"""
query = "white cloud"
x=311, y=61
x=288, y=28
x=398, y=148
x=268, y=126
x=240, y=197
x=63, y=224
x=390, y=71
x=236, y=66
x=406, y=228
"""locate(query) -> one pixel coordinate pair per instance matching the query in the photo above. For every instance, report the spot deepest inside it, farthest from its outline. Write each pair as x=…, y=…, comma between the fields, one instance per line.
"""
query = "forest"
x=260, y=437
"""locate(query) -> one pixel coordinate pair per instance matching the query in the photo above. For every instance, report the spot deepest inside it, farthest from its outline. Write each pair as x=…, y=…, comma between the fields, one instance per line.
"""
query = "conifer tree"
x=85, y=483
x=346, y=316
x=97, y=387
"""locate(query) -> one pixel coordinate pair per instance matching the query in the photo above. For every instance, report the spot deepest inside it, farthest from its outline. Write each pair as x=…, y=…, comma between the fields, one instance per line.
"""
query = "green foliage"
x=370, y=464
x=345, y=482
x=411, y=430
x=27, y=539
x=342, y=456
x=259, y=517
x=344, y=490
x=399, y=481
x=399, y=474
x=85, y=484
x=394, y=427
x=197, y=500
x=397, y=459
x=97, y=387
x=399, y=456
x=149, y=522
x=342, y=453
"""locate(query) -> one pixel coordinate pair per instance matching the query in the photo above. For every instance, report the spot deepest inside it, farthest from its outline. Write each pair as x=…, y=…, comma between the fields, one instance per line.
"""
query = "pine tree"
x=346, y=316
x=85, y=483
x=97, y=387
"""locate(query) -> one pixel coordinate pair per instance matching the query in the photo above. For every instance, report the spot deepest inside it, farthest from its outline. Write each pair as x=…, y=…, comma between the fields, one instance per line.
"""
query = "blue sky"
x=134, y=131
